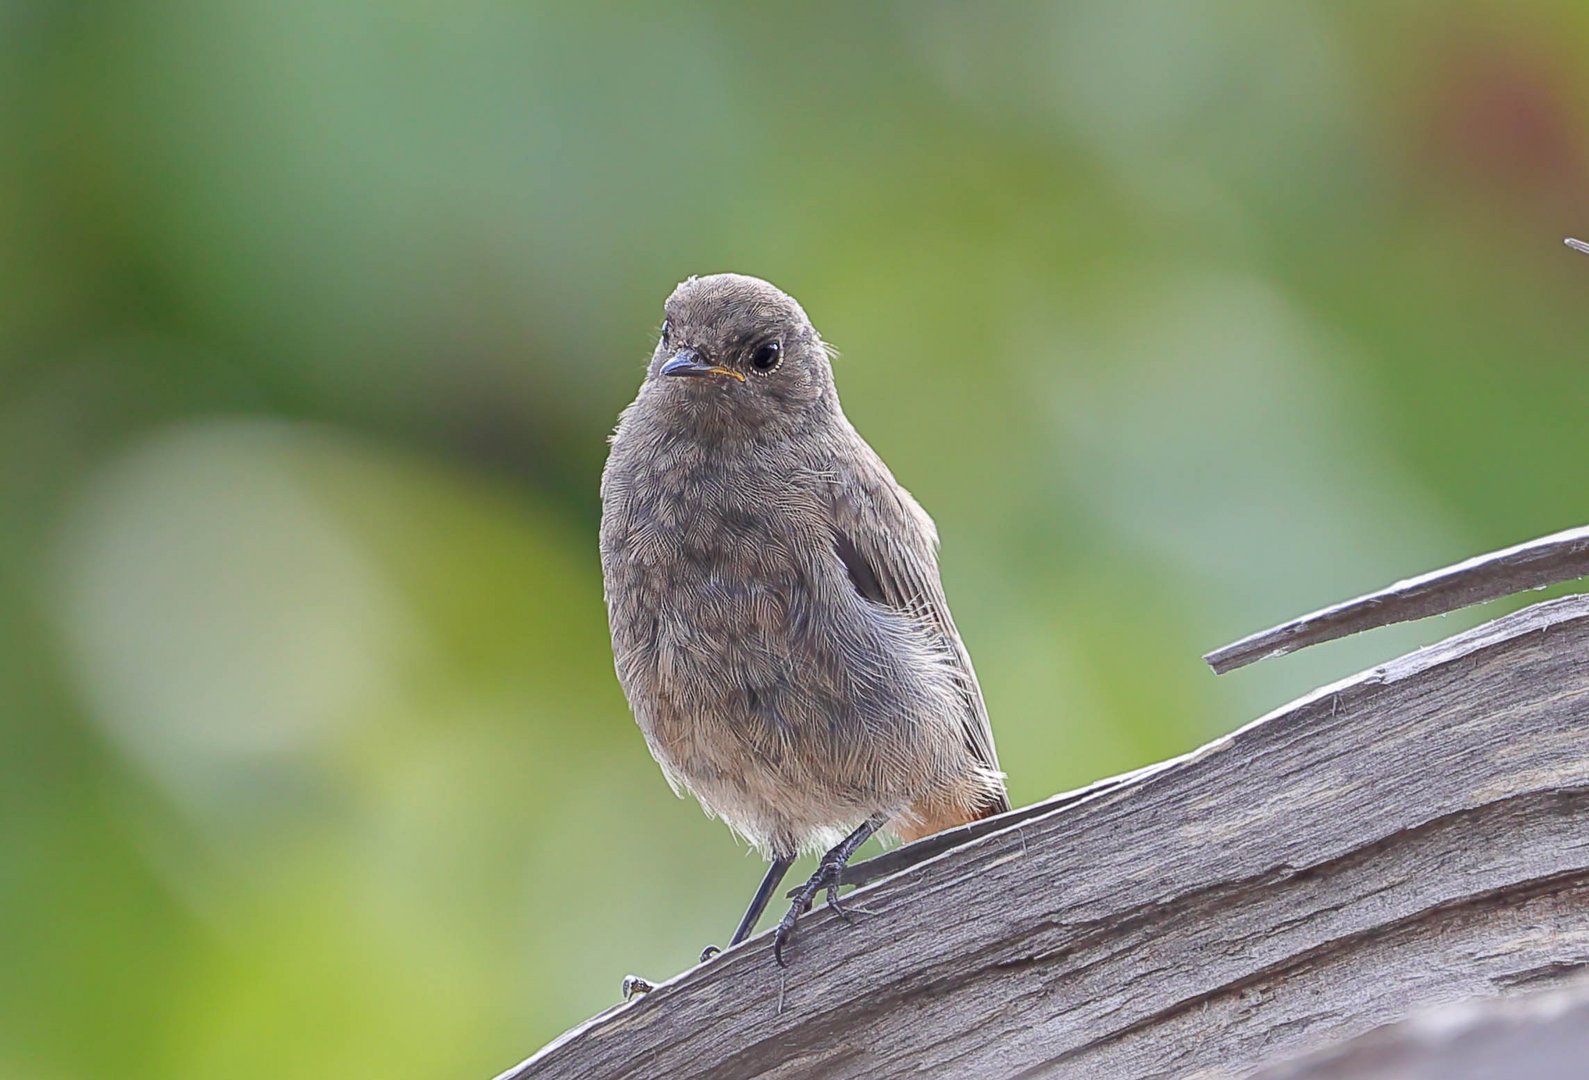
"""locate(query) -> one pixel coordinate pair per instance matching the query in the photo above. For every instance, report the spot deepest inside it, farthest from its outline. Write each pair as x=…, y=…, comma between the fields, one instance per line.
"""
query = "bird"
x=778, y=622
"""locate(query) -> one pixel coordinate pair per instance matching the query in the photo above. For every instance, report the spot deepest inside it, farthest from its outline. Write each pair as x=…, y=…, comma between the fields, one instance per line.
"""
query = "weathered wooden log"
x=1413, y=835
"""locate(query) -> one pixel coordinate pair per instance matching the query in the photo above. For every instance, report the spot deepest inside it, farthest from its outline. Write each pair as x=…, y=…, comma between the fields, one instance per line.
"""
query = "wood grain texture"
x=1542, y=1035
x=1414, y=835
x=1550, y=560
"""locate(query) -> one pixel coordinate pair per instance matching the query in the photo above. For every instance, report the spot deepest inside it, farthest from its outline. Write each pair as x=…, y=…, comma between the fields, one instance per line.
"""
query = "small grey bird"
x=777, y=620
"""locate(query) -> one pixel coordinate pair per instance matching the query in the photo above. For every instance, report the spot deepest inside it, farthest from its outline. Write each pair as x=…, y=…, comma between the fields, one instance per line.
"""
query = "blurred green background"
x=1181, y=318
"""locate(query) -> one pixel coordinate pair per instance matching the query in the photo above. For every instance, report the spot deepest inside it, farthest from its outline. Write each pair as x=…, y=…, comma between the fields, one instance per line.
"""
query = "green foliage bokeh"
x=1181, y=318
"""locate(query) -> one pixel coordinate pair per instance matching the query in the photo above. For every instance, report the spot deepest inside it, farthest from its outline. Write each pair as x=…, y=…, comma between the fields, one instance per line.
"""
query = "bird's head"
x=737, y=353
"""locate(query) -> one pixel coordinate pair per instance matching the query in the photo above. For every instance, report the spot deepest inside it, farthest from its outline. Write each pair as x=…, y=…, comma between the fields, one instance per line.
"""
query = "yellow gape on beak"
x=688, y=362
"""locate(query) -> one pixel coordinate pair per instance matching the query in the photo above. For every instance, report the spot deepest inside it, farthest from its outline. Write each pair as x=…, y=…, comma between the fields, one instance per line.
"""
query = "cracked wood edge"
x=1416, y=834
x=895, y=860
x=1550, y=560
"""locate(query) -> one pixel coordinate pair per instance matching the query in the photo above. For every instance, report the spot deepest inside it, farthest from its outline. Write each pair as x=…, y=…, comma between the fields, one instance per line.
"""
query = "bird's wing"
x=890, y=548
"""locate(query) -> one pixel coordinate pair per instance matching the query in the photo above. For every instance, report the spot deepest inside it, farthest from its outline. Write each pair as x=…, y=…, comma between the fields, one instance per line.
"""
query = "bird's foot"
x=634, y=986
x=709, y=952
x=826, y=878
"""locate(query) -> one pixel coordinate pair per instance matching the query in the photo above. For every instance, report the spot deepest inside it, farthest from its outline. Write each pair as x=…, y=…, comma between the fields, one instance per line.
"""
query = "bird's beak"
x=688, y=362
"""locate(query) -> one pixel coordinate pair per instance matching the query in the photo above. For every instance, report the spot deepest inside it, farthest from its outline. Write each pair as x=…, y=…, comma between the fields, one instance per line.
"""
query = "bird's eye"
x=667, y=328
x=767, y=357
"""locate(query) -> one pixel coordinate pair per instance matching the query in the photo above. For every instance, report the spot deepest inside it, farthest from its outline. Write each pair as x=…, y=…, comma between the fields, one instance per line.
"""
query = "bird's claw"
x=634, y=986
x=842, y=911
x=825, y=879
x=709, y=952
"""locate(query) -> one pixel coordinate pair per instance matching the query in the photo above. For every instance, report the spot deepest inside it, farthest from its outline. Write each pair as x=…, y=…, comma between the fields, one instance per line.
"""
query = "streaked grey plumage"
x=777, y=619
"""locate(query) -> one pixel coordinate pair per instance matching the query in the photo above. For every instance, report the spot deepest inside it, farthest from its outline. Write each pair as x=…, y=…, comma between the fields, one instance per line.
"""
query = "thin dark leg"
x=827, y=876
x=758, y=903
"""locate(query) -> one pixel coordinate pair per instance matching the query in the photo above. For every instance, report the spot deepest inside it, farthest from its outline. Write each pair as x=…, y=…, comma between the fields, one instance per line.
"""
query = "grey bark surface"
x=1550, y=560
x=1541, y=1036
x=1413, y=835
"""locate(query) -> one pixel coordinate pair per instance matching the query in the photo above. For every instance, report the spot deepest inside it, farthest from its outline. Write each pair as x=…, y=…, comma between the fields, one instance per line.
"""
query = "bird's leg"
x=826, y=877
x=758, y=903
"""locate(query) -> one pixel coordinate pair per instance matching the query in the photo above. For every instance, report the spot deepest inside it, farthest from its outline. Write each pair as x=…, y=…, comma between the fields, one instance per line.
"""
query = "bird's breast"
x=710, y=568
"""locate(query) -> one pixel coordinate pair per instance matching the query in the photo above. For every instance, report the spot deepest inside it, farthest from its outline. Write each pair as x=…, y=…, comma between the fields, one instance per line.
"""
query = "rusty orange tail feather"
x=929, y=818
